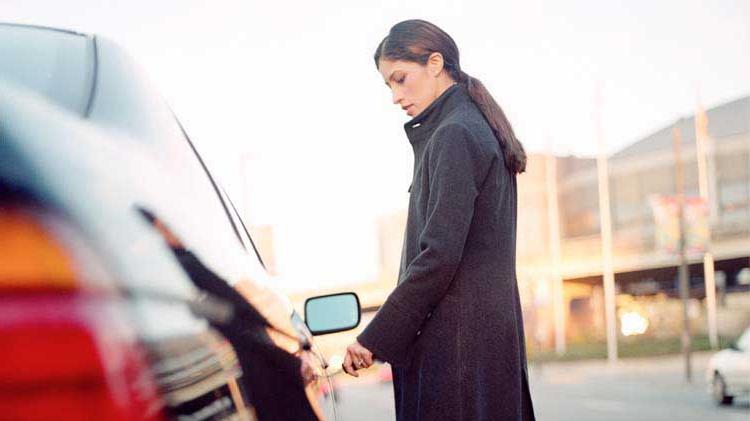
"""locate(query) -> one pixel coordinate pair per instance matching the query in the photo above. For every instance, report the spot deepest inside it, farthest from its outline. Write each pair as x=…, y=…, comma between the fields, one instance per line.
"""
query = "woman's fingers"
x=366, y=355
x=307, y=372
x=362, y=356
x=362, y=360
x=357, y=361
x=347, y=366
x=357, y=358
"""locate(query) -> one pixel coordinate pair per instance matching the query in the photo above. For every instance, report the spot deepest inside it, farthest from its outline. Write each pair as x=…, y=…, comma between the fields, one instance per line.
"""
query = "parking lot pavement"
x=643, y=389
x=647, y=389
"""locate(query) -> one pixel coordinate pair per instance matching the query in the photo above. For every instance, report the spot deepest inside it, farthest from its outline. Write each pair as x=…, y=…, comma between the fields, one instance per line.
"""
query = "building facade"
x=637, y=173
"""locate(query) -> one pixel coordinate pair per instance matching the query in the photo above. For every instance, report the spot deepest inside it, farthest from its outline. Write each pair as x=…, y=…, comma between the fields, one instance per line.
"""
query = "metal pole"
x=610, y=302
x=553, y=222
x=701, y=143
x=683, y=270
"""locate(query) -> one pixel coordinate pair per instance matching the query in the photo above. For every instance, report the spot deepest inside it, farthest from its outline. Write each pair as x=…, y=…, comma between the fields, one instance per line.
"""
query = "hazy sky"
x=284, y=100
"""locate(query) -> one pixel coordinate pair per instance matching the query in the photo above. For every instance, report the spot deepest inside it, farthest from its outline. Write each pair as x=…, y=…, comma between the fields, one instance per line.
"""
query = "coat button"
x=419, y=332
x=429, y=315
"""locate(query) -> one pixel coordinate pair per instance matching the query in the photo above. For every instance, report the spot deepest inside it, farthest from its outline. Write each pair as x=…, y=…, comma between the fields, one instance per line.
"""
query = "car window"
x=239, y=224
x=257, y=267
x=58, y=65
x=125, y=102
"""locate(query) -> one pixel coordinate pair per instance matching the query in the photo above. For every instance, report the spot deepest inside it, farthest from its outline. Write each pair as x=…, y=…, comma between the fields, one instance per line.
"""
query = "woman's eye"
x=400, y=80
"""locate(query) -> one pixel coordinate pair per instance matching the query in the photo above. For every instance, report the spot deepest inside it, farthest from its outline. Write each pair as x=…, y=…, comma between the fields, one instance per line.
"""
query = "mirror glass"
x=332, y=313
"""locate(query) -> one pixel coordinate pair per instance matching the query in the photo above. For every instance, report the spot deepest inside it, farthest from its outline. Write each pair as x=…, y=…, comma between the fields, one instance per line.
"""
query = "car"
x=728, y=371
x=129, y=285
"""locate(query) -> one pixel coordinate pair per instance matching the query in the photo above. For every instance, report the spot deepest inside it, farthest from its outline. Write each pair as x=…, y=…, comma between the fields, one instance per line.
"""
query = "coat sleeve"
x=457, y=168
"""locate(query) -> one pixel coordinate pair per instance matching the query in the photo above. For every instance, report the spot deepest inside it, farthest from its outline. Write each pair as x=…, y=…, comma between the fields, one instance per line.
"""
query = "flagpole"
x=553, y=223
x=610, y=303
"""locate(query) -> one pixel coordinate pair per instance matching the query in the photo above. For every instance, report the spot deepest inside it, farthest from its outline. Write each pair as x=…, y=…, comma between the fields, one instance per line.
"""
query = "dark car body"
x=99, y=317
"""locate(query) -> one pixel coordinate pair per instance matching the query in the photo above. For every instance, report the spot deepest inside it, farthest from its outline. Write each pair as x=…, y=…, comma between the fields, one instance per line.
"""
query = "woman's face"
x=414, y=86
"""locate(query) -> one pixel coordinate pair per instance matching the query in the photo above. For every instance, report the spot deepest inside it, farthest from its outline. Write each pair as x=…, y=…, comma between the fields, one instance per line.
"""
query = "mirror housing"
x=332, y=313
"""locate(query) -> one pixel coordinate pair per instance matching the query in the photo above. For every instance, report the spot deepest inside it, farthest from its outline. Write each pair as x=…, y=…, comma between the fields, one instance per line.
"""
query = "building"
x=638, y=171
x=647, y=168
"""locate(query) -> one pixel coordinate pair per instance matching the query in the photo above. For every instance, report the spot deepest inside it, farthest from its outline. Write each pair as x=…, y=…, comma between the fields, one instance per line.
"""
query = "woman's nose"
x=396, y=97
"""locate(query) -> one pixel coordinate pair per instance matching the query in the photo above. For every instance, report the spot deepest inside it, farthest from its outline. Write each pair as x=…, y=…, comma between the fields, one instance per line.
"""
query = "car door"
x=322, y=389
x=737, y=374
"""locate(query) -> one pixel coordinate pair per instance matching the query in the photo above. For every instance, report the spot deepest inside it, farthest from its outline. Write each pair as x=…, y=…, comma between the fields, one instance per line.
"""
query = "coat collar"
x=421, y=127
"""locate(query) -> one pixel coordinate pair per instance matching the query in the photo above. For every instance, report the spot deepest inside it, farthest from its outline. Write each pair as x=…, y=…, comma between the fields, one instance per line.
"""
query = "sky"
x=283, y=99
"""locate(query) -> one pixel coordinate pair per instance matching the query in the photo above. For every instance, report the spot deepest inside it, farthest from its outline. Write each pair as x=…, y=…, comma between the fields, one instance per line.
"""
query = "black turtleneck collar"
x=421, y=127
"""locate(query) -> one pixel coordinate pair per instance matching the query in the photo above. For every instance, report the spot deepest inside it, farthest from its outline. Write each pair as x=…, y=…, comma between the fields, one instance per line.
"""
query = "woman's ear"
x=435, y=64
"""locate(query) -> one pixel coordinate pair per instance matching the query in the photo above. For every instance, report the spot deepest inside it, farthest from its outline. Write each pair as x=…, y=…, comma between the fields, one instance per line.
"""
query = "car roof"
x=44, y=28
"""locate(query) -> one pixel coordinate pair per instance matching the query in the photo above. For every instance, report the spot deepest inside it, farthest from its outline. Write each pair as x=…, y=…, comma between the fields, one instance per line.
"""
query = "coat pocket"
x=437, y=336
x=444, y=318
x=433, y=373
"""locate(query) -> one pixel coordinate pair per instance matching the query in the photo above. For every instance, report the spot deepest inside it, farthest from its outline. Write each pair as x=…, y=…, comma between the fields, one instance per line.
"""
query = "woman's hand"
x=357, y=358
x=307, y=368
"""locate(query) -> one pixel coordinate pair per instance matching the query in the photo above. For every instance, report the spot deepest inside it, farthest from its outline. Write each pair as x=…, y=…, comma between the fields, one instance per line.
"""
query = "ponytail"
x=513, y=152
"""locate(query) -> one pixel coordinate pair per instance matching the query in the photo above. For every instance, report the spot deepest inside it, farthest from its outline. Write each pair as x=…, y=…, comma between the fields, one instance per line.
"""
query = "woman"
x=452, y=328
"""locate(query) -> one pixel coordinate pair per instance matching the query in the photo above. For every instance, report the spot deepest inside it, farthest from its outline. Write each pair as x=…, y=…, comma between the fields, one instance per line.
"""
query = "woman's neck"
x=443, y=85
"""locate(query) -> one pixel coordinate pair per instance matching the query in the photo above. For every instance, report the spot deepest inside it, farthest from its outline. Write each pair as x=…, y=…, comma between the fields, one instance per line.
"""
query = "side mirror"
x=332, y=313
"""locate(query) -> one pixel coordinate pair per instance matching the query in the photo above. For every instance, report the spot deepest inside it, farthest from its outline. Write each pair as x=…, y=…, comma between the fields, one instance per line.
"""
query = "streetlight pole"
x=553, y=223
x=703, y=149
x=610, y=303
x=683, y=270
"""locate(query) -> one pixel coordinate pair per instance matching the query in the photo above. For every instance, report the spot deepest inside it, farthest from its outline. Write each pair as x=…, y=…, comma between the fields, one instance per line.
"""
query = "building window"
x=580, y=211
x=733, y=181
x=627, y=205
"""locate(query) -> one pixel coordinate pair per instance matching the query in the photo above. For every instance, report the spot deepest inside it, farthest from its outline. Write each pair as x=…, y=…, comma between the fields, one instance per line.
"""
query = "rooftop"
x=731, y=118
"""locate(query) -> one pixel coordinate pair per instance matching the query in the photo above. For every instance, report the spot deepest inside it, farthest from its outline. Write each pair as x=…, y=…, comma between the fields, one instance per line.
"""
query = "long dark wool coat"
x=452, y=329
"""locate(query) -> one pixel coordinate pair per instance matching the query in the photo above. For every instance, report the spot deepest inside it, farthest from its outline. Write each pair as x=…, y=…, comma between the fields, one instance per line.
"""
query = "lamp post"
x=703, y=156
x=684, y=285
x=606, y=234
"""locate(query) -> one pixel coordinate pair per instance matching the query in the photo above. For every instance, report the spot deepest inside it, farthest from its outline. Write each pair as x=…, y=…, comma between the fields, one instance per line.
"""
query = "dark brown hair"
x=415, y=40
